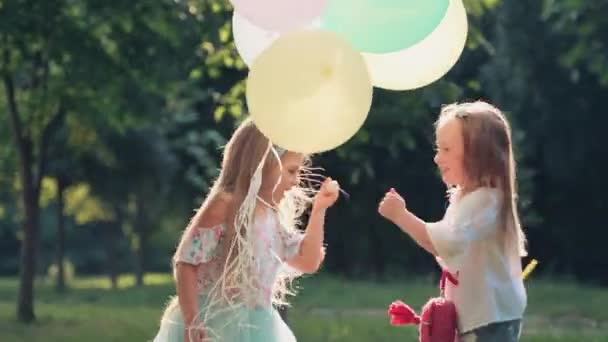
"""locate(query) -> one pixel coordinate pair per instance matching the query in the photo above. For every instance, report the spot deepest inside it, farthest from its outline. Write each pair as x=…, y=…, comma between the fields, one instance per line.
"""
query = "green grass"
x=326, y=309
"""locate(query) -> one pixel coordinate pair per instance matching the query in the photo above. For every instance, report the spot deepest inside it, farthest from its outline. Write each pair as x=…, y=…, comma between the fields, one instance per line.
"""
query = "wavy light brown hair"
x=488, y=157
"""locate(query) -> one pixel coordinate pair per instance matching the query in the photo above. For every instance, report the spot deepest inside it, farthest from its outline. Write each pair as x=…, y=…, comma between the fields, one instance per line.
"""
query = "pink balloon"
x=279, y=15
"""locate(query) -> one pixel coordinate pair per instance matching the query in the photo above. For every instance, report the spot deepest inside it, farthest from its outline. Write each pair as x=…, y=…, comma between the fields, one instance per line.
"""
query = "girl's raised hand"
x=327, y=195
x=392, y=205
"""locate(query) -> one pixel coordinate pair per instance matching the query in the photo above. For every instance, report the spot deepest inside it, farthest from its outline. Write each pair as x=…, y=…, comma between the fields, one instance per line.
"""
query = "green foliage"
x=152, y=90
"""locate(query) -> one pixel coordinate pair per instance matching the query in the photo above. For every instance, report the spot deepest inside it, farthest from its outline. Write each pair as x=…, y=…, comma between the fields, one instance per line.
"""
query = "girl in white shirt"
x=479, y=239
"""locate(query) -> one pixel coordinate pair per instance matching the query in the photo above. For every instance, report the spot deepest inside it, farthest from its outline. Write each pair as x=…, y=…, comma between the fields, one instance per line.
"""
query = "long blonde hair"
x=488, y=157
x=247, y=151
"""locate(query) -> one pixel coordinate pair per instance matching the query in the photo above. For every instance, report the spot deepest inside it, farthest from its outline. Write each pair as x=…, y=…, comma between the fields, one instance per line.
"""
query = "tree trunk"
x=112, y=253
x=25, y=305
x=31, y=172
x=140, y=229
x=61, y=185
x=25, y=301
x=112, y=256
x=112, y=233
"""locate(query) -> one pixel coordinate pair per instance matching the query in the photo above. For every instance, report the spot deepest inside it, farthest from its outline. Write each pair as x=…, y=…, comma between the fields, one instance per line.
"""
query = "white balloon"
x=251, y=40
x=428, y=60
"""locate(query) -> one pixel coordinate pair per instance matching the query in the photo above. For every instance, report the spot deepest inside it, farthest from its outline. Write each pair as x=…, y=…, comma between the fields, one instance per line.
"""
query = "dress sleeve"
x=475, y=217
x=199, y=245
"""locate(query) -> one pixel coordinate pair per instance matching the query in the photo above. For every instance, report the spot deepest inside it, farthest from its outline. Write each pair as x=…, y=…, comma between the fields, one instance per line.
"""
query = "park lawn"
x=326, y=309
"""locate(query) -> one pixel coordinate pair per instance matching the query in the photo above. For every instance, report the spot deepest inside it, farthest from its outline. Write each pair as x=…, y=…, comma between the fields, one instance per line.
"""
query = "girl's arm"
x=188, y=302
x=394, y=209
x=311, y=253
x=187, y=264
x=416, y=229
x=187, y=291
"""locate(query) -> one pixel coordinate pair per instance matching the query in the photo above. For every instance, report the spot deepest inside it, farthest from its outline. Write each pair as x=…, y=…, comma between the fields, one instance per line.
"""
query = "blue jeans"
x=508, y=331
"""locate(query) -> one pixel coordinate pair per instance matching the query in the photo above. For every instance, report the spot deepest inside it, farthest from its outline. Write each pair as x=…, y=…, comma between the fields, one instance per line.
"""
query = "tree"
x=83, y=61
x=554, y=97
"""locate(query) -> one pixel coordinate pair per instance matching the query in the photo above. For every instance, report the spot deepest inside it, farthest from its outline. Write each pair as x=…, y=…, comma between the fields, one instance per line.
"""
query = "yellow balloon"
x=309, y=92
x=428, y=60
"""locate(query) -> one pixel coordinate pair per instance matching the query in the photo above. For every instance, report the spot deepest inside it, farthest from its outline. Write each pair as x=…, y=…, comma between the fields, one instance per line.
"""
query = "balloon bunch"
x=314, y=63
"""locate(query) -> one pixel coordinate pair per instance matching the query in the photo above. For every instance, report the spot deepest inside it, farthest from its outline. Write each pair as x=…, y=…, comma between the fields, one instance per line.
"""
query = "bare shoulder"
x=215, y=212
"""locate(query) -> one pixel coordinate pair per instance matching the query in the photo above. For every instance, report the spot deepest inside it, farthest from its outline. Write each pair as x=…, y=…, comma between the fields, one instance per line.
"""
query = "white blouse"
x=469, y=244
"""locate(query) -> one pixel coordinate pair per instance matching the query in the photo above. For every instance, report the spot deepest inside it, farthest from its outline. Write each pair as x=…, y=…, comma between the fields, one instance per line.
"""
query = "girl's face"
x=450, y=153
x=287, y=177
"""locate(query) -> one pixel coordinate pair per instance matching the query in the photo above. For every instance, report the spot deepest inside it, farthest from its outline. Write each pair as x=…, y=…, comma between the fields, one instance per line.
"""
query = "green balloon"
x=381, y=26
